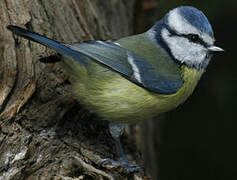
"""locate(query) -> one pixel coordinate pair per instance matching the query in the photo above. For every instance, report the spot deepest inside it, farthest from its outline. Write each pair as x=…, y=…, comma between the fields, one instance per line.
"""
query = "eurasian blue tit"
x=140, y=76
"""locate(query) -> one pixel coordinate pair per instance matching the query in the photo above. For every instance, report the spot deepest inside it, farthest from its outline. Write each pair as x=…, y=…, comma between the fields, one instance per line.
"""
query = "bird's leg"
x=116, y=130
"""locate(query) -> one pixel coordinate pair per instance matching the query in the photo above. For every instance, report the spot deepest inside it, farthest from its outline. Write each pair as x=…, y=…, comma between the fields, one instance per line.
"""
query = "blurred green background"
x=199, y=138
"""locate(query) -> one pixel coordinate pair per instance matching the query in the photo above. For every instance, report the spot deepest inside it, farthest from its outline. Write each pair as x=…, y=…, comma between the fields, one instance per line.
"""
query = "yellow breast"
x=190, y=77
x=115, y=98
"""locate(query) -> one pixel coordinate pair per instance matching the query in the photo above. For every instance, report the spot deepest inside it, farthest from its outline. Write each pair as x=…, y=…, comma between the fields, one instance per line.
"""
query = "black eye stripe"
x=188, y=36
x=193, y=37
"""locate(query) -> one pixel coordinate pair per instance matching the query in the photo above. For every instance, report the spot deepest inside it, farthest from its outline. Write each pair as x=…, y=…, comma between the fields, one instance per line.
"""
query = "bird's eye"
x=193, y=37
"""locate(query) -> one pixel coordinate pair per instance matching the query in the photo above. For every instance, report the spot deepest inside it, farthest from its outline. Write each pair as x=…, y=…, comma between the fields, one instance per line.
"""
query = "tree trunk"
x=44, y=133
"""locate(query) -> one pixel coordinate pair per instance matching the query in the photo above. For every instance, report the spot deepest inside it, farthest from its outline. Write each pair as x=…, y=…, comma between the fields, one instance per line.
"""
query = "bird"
x=137, y=77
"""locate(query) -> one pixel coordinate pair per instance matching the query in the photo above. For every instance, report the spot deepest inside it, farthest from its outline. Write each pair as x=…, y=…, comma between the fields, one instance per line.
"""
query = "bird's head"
x=186, y=34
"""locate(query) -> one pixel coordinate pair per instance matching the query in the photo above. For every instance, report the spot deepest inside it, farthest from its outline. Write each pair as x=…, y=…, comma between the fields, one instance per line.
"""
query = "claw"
x=125, y=167
x=116, y=130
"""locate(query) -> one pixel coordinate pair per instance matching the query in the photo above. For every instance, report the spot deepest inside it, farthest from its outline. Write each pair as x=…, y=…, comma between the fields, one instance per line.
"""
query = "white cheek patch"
x=178, y=23
x=183, y=50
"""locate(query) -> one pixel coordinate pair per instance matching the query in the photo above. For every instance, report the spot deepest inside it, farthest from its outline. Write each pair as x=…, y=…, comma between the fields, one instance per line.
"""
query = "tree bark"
x=44, y=133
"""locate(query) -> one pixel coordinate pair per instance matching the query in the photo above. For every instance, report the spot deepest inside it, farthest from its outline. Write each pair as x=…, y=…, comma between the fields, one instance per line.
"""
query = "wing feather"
x=110, y=54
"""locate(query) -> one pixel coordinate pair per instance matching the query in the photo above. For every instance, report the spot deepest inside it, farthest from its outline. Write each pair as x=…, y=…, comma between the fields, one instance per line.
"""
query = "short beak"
x=215, y=49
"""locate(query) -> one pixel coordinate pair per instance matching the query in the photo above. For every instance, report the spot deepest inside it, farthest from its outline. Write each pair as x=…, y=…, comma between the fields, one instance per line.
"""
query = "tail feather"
x=58, y=47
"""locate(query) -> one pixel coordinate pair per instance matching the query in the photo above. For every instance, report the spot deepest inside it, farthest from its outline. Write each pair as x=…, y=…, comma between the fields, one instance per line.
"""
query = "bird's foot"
x=123, y=165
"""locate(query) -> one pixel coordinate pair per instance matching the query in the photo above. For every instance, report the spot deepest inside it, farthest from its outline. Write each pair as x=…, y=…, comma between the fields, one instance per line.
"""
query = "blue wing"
x=113, y=56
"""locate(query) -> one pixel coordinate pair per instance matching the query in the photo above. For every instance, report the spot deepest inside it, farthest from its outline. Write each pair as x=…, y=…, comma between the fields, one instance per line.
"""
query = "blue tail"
x=58, y=47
